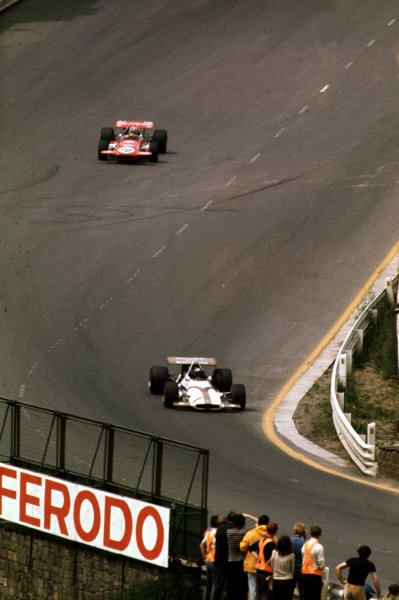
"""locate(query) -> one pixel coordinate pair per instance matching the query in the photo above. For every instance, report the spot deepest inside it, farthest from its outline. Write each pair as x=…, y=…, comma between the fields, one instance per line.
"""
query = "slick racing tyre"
x=222, y=379
x=161, y=137
x=170, y=394
x=154, y=152
x=157, y=379
x=238, y=395
x=107, y=133
x=102, y=145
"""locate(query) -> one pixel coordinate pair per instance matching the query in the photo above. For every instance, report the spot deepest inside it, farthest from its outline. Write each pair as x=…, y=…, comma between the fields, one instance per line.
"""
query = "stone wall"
x=388, y=461
x=34, y=566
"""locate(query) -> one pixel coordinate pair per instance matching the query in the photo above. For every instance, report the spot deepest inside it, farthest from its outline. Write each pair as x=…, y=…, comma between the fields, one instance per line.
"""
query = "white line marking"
x=279, y=132
x=348, y=66
x=33, y=368
x=391, y=22
x=254, y=158
x=22, y=390
x=324, y=89
x=159, y=252
x=207, y=205
x=133, y=276
x=182, y=229
x=303, y=109
x=371, y=42
x=230, y=181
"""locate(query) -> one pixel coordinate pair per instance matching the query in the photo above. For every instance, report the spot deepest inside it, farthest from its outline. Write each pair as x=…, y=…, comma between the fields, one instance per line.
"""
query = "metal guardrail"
x=6, y=4
x=362, y=452
x=117, y=459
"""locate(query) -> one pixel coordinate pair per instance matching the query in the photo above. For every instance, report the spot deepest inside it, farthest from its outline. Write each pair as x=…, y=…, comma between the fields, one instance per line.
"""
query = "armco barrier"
x=361, y=451
x=116, y=459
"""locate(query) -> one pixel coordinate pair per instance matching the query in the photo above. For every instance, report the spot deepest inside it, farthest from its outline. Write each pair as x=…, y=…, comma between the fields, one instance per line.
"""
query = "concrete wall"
x=34, y=566
x=388, y=461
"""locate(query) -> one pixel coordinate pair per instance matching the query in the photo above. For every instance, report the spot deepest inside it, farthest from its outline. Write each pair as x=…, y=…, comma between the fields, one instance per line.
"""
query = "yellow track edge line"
x=268, y=416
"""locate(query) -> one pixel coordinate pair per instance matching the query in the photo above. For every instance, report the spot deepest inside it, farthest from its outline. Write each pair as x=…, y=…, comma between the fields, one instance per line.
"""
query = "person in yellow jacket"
x=250, y=560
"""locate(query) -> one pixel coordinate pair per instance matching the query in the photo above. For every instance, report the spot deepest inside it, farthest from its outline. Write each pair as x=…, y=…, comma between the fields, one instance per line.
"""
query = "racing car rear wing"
x=139, y=124
x=187, y=360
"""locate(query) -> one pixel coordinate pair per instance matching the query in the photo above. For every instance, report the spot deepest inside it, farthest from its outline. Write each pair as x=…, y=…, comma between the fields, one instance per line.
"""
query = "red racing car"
x=132, y=142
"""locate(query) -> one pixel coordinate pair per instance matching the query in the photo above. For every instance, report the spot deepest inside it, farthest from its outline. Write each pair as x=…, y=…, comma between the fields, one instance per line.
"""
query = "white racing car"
x=193, y=388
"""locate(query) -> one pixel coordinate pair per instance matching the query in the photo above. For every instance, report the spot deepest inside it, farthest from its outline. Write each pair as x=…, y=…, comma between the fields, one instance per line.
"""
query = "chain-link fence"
x=119, y=460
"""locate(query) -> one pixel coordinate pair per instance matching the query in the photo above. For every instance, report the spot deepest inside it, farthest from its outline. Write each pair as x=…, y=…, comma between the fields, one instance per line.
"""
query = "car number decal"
x=126, y=149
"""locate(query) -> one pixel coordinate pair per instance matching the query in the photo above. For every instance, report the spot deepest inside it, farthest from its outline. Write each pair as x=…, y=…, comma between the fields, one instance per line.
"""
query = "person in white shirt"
x=313, y=564
x=282, y=562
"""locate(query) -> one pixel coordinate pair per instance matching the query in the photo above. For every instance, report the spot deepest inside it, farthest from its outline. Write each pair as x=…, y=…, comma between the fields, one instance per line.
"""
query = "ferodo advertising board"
x=83, y=514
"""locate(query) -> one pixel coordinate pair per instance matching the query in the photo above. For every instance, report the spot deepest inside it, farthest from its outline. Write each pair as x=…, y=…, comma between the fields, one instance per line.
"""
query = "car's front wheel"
x=154, y=152
x=102, y=145
x=170, y=394
x=107, y=133
x=157, y=379
x=239, y=395
x=161, y=137
x=222, y=379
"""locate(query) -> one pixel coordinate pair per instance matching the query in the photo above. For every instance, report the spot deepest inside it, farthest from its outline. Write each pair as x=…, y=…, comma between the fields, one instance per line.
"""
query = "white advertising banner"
x=82, y=514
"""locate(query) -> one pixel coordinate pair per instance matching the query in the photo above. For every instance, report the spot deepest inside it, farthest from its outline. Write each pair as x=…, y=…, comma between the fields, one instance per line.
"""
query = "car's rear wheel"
x=102, y=145
x=222, y=379
x=154, y=152
x=161, y=137
x=170, y=394
x=107, y=133
x=239, y=395
x=157, y=379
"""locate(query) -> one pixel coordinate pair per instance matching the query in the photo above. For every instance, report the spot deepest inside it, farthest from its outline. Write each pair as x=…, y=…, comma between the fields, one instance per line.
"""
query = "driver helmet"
x=134, y=132
x=198, y=373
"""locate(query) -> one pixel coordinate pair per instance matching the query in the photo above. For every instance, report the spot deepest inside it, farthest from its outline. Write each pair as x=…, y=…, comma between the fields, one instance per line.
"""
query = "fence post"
x=15, y=430
x=61, y=430
x=158, y=457
x=109, y=454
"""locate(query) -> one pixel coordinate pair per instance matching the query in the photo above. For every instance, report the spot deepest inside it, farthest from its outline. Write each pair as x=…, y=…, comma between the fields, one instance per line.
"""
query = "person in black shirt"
x=359, y=568
x=221, y=556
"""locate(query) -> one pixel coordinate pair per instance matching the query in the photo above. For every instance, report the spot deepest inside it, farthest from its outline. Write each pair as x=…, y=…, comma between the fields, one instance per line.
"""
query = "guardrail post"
x=359, y=340
x=390, y=292
x=342, y=369
x=371, y=434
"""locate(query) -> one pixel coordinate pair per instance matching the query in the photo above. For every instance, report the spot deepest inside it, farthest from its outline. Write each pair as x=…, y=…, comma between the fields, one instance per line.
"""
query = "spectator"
x=313, y=564
x=252, y=536
x=207, y=549
x=221, y=557
x=282, y=562
x=392, y=593
x=359, y=568
x=236, y=579
x=263, y=549
x=298, y=540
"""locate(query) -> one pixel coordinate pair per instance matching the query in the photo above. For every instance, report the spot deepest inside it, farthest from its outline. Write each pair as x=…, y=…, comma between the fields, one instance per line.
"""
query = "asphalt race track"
x=275, y=202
